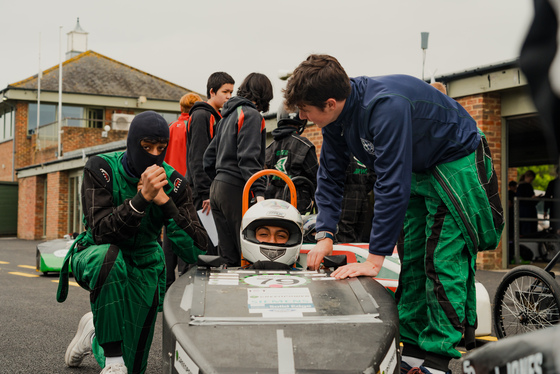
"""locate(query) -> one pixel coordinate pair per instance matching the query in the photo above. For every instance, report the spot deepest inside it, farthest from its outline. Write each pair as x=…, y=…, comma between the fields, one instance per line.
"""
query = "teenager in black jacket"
x=294, y=155
x=204, y=116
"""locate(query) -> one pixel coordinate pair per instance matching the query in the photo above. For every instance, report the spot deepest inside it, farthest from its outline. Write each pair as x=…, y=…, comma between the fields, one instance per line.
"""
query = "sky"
x=186, y=41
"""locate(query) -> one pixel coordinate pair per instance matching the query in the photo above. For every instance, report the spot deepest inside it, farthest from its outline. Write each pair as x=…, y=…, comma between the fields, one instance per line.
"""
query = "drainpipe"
x=60, y=91
x=13, y=143
x=39, y=76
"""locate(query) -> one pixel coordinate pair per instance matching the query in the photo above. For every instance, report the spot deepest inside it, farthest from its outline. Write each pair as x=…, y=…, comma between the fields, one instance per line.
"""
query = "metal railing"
x=517, y=239
x=47, y=136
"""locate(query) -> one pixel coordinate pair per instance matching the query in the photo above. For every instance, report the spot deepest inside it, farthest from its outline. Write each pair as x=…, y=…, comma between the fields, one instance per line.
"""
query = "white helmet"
x=271, y=212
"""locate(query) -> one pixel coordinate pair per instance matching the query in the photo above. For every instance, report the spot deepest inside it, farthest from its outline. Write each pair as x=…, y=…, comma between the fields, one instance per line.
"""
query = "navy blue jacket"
x=395, y=125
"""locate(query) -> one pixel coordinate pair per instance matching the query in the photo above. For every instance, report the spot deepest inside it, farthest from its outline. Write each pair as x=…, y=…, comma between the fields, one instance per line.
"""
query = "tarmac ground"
x=35, y=329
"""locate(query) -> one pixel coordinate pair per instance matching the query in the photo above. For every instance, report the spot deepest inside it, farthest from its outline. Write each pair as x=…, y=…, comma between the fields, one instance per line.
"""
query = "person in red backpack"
x=176, y=155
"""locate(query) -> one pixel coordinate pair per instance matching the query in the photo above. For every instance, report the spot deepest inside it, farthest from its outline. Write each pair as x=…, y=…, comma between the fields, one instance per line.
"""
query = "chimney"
x=77, y=41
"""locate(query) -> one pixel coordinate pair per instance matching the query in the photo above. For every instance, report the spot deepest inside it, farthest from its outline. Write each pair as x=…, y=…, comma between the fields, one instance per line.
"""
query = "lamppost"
x=424, y=46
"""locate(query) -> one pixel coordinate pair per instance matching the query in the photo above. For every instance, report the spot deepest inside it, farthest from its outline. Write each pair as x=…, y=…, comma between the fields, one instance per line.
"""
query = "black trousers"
x=225, y=201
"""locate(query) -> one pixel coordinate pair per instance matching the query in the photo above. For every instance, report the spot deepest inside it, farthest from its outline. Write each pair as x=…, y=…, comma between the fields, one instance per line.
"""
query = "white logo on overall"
x=281, y=164
x=368, y=146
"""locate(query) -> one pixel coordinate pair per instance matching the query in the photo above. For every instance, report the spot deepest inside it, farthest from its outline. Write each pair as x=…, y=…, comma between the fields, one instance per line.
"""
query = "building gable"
x=95, y=74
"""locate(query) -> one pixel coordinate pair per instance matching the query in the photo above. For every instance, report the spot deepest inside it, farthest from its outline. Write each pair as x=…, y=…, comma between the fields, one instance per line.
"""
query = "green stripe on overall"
x=454, y=211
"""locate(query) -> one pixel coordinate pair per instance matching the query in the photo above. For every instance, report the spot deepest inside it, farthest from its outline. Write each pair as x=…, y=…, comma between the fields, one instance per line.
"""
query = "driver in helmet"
x=271, y=235
x=294, y=155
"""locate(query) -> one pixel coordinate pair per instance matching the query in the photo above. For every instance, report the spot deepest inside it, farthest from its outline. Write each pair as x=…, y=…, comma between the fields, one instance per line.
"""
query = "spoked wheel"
x=527, y=299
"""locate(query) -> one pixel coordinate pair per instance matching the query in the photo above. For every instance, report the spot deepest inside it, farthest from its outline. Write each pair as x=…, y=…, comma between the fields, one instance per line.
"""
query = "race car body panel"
x=241, y=321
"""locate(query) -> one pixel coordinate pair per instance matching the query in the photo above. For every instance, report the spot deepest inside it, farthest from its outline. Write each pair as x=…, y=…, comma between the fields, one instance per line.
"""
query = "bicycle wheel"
x=527, y=299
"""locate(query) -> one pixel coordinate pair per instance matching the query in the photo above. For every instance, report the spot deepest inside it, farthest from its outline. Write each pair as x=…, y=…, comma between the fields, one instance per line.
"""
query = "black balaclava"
x=146, y=125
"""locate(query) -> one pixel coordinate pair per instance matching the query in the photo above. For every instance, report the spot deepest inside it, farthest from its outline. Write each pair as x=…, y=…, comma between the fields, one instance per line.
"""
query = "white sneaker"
x=115, y=369
x=80, y=346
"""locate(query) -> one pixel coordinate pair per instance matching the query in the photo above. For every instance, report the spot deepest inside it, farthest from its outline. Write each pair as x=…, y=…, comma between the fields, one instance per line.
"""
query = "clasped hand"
x=151, y=184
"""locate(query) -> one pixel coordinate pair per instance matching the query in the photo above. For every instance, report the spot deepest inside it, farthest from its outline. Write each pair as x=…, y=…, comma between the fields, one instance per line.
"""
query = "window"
x=169, y=117
x=47, y=115
x=95, y=118
x=6, y=123
x=74, y=116
x=75, y=223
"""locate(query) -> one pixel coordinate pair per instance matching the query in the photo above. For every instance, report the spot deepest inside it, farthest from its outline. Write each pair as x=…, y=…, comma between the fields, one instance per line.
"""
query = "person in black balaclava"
x=127, y=197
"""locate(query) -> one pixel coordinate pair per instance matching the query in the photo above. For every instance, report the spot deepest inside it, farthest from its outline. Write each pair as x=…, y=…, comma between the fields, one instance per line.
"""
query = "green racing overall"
x=124, y=270
x=454, y=211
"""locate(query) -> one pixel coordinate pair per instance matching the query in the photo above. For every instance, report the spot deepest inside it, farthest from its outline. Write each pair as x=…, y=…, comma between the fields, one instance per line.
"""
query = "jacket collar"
x=349, y=105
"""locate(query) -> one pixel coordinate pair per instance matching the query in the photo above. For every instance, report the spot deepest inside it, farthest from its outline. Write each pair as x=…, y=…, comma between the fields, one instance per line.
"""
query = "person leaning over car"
x=434, y=176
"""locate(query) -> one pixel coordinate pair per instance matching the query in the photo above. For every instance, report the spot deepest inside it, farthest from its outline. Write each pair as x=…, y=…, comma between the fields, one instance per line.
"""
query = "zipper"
x=457, y=208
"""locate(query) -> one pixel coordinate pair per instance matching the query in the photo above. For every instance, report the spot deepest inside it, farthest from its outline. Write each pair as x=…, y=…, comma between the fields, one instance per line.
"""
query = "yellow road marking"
x=69, y=283
x=462, y=352
x=4, y=262
x=488, y=337
x=27, y=267
x=24, y=274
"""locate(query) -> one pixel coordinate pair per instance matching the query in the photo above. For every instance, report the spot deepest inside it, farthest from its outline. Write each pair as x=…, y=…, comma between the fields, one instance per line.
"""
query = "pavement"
x=491, y=279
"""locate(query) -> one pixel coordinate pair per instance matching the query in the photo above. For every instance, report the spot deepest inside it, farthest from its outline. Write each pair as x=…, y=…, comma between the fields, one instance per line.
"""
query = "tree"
x=544, y=174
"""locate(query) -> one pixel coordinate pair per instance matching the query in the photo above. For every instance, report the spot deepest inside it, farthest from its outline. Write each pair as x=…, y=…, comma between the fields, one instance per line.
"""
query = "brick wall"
x=313, y=133
x=24, y=144
x=80, y=137
x=6, y=155
x=27, y=152
x=57, y=205
x=486, y=110
x=513, y=175
x=31, y=200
